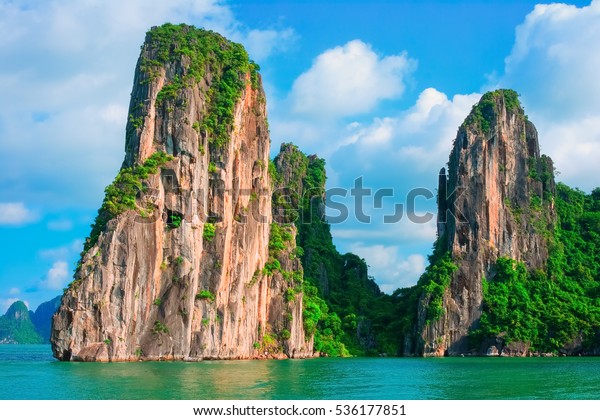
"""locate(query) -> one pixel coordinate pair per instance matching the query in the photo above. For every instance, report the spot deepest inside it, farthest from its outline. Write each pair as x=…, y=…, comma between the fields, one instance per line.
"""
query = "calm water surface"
x=29, y=372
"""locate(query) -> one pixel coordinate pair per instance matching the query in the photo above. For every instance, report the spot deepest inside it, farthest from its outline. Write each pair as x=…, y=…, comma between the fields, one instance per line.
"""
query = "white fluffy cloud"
x=65, y=79
x=349, y=80
x=57, y=276
x=554, y=65
x=419, y=139
x=16, y=214
x=399, y=153
x=386, y=265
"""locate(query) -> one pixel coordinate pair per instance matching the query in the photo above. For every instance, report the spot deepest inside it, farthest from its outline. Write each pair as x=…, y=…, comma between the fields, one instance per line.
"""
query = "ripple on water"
x=29, y=372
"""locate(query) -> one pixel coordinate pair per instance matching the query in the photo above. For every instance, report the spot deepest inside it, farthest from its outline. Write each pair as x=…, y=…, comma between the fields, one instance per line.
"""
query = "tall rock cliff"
x=182, y=262
x=489, y=206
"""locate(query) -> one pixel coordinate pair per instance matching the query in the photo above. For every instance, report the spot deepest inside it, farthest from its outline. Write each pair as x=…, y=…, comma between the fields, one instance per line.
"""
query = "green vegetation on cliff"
x=201, y=54
x=343, y=306
x=483, y=114
x=431, y=287
x=434, y=282
x=557, y=309
x=122, y=193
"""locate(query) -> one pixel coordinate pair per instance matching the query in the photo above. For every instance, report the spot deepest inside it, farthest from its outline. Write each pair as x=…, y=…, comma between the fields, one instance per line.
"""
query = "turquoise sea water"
x=29, y=372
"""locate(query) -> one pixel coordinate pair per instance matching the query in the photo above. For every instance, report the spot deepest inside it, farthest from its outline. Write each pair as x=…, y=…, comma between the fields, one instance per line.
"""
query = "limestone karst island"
x=205, y=248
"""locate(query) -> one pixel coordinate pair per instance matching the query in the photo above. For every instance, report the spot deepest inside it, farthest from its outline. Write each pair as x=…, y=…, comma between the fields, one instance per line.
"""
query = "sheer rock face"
x=495, y=178
x=157, y=289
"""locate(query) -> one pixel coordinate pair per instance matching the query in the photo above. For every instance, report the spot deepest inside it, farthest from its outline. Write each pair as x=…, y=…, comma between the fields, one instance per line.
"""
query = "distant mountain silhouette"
x=42, y=317
x=16, y=326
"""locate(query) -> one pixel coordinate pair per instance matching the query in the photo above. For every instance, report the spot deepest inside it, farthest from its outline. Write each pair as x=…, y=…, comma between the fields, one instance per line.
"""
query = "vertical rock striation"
x=495, y=178
x=177, y=263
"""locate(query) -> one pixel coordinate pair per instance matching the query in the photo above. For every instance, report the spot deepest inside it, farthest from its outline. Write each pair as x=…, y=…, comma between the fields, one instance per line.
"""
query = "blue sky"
x=377, y=88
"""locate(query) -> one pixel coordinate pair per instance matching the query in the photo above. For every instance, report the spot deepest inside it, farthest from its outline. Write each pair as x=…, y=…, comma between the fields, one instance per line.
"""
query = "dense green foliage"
x=205, y=51
x=483, y=113
x=121, y=194
x=434, y=282
x=325, y=325
x=431, y=287
x=542, y=169
x=343, y=306
x=16, y=326
x=551, y=308
x=281, y=239
x=278, y=237
x=159, y=328
x=209, y=231
x=174, y=221
x=206, y=295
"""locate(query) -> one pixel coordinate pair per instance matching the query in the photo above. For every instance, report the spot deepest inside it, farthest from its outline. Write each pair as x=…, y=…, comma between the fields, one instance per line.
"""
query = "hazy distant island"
x=205, y=248
x=22, y=326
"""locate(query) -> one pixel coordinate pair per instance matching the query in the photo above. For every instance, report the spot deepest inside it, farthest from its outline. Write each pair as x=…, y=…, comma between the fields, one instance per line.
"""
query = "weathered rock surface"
x=493, y=177
x=181, y=276
x=492, y=351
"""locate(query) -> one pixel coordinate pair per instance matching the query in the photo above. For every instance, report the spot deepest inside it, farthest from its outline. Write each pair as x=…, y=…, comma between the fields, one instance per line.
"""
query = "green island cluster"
x=16, y=326
x=343, y=306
